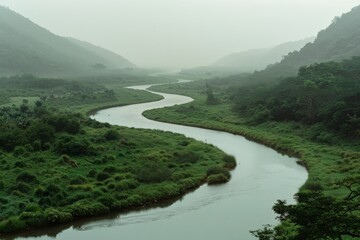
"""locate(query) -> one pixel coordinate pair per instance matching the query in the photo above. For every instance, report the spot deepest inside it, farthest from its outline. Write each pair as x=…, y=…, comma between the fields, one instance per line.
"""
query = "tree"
x=211, y=100
x=318, y=216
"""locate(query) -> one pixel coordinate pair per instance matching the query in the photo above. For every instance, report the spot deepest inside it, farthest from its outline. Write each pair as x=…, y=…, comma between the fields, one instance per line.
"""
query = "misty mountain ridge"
x=248, y=61
x=25, y=47
x=337, y=42
x=259, y=59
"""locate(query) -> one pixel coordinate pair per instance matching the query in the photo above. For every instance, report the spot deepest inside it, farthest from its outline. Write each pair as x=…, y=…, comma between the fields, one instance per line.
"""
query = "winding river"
x=226, y=211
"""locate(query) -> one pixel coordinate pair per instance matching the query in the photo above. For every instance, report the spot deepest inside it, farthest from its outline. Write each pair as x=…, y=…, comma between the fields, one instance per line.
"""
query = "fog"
x=182, y=33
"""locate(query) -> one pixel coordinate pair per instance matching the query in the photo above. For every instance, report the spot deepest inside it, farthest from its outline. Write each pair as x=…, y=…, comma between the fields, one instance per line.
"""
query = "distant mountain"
x=341, y=40
x=259, y=59
x=247, y=61
x=115, y=59
x=28, y=48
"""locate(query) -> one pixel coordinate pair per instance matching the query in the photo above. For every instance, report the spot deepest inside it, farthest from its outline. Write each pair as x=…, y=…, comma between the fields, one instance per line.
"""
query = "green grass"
x=17, y=101
x=101, y=168
x=91, y=104
x=57, y=165
x=325, y=163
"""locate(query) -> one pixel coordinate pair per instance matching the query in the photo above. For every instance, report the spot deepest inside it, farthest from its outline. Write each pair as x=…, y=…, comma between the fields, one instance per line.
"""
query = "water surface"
x=226, y=211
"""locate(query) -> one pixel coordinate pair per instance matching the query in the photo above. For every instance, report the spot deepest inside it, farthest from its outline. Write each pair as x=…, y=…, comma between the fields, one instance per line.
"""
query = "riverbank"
x=324, y=162
x=82, y=168
x=120, y=183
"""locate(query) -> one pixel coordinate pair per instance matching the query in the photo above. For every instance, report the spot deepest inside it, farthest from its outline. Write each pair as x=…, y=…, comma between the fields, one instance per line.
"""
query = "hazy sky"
x=182, y=33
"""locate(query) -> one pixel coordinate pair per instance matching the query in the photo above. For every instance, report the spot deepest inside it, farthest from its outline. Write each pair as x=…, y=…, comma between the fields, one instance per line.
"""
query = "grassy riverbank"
x=82, y=96
x=57, y=165
x=326, y=163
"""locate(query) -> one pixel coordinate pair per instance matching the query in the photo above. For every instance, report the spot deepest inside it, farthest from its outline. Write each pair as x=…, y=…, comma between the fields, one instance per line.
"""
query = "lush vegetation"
x=57, y=166
x=314, y=116
x=83, y=95
x=325, y=97
x=317, y=216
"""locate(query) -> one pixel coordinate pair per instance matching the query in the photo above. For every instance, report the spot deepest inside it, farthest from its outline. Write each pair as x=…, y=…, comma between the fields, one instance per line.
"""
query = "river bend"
x=225, y=211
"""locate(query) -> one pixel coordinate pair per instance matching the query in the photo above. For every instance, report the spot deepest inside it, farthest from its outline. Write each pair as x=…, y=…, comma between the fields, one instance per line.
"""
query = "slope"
x=337, y=42
x=117, y=60
x=258, y=59
x=28, y=48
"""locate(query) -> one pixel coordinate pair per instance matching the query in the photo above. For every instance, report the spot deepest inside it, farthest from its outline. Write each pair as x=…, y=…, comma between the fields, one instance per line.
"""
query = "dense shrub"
x=217, y=179
x=218, y=170
x=33, y=219
x=26, y=177
x=41, y=132
x=12, y=224
x=72, y=145
x=186, y=157
x=127, y=184
x=112, y=135
x=55, y=216
x=87, y=209
x=154, y=172
x=64, y=123
x=19, y=151
x=22, y=187
x=102, y=176
x=229, y=161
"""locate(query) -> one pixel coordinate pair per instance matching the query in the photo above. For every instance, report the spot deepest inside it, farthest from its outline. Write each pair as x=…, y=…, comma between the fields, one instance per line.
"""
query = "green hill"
x=337, y=42
x=258, y=59
x=247, y=61
x=28, y=48
x=115, y=59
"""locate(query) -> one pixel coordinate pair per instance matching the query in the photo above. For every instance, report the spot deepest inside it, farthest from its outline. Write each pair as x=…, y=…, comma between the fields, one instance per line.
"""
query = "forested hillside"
x=28, y=48
x=337, y=42
x=324, y=96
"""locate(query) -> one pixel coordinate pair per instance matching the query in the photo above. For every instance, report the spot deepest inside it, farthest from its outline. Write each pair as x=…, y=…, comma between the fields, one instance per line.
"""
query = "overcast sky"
x=182, y=33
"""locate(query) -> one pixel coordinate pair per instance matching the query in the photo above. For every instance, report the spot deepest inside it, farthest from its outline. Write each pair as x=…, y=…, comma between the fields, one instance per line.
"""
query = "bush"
x=55, y=216
x=92, y=173
x=19, y=164
x=72, y=145
x=154, y=172
x=229, y=162
x=78, y=180
x=102, y=176
x=88, y=209
x=127, y=184
x=64, y=123
x=217, y=179
x=41, y=132
x=36, y=145
x=12, y=224
x=22, y=187
x=112, y=135
x=33, y=219
x=26, y=177
x=218, y=170
x=19, y=151
x=186, y=157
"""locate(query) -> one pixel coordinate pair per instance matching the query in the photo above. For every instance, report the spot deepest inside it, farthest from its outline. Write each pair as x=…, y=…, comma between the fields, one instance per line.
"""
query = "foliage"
x=217, y=179
x=327, y=155
x=67, y=166
x=318, y=216
x=324, y=96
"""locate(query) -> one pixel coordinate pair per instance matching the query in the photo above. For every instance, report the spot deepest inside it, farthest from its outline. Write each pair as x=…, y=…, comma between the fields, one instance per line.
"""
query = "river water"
x=227, y=211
